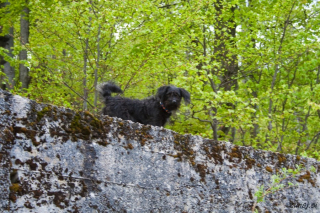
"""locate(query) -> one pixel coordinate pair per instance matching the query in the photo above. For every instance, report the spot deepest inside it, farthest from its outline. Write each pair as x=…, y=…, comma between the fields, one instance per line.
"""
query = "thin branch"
x=64, y=83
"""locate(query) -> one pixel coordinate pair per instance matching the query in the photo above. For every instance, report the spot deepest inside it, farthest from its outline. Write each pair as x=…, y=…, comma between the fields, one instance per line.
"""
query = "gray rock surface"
x=53, y=159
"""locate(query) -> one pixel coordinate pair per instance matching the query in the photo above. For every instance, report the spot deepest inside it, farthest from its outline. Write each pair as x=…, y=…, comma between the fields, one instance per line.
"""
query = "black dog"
x=154, y=110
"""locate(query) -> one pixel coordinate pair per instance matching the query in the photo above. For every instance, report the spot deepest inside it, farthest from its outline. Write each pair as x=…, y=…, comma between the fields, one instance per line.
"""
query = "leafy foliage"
x=252, y=67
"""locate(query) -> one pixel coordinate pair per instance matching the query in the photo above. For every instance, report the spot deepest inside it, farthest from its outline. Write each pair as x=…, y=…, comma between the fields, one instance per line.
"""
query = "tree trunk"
x=24, y=39
x=97, y=67
x=7, y=68
x=7, y=43
x=228, y=65
x=85, y=89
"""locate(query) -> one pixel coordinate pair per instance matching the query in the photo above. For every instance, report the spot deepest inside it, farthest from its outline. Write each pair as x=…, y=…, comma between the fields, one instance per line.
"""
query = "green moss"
x=13, y=197
x=31, y=134
x=141, y=134
x=183, y=147
x=143, y=141
x=93, y=121
x=86, y=130
x=206, y=149
x=250, y=162
x=15, y=187
x=281, y=158
x=130, y=146
x=235, y=153
x=300, y=180
x=87, y=113
x=8, y=135
x=306, y=176
x=76, y=127
x=43, y=112
x=96, y=123
x=215, y=152
x=75, y=123
x=69, y=115
x=103, y=143
x=202, y=171
x=313, y=182
x=178, y=155
x=37, y=194
x=269, y=169
x=32, y=124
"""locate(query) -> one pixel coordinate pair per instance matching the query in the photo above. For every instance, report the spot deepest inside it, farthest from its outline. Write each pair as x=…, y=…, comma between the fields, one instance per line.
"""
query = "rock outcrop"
x=53, y=159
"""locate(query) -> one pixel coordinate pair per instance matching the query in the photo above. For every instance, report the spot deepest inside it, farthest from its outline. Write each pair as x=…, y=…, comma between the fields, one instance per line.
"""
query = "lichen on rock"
x=53, y=159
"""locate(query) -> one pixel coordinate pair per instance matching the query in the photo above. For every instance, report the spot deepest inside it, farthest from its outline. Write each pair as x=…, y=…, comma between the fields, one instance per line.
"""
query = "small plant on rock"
x=277, y=183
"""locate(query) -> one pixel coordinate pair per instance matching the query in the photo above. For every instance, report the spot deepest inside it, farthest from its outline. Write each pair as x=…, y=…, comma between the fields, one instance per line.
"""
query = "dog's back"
x=117, y=106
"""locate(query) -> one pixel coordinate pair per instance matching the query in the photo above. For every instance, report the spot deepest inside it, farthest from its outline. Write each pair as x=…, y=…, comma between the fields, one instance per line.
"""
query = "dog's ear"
x=186, y=95
x=162, y=92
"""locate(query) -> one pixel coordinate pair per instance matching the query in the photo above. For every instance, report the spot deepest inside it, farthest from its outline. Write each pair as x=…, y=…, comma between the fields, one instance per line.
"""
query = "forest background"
x=252, y=66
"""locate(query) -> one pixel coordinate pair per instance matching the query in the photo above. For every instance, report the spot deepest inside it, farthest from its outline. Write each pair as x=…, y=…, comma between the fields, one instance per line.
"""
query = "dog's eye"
x=173, y=94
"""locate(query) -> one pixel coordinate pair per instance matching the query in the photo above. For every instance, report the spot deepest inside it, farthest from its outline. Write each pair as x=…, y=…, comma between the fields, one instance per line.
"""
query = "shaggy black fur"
x=154, y=110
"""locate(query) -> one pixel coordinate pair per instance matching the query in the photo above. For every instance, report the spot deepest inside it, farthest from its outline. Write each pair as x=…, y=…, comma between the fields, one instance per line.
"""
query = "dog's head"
x=171, y=96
